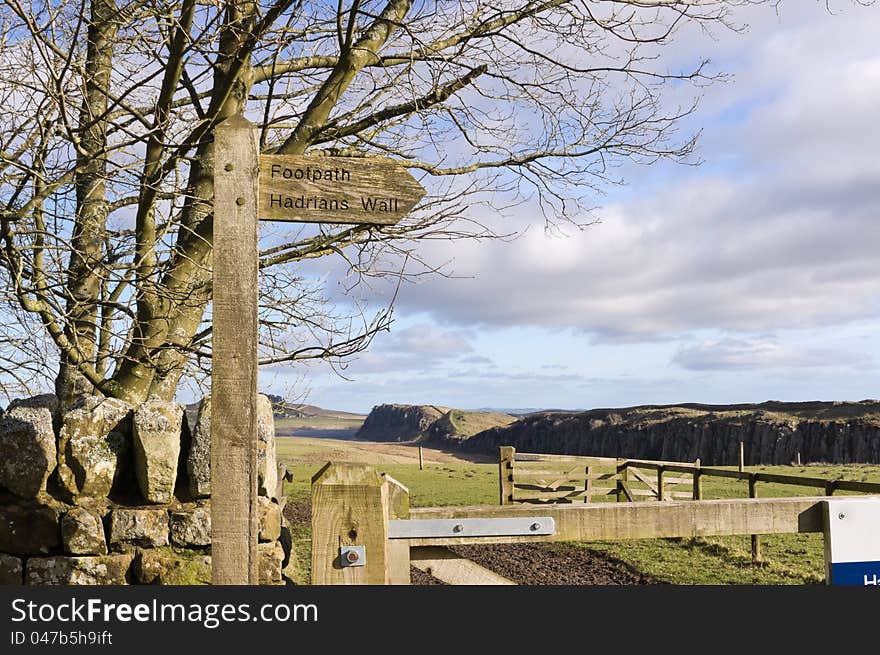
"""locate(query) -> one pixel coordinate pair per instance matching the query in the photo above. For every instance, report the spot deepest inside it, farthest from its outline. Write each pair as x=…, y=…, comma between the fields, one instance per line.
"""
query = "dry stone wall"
x=108, y=493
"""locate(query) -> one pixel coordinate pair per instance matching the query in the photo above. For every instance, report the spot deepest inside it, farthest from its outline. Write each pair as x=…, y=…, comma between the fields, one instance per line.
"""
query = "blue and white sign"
x=852, y=541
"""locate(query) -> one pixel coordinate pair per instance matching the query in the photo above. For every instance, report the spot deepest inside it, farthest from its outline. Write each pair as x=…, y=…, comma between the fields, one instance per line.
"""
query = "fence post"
x=234, y=515
x=623, y=476
x=753, y=493
x=829, y=488
x=350, y=507
x=588, y=485
x=421, y=464
x=698, y=480
x=742, y=458
x=507, y=456
x=398, y=549
x=660, y=492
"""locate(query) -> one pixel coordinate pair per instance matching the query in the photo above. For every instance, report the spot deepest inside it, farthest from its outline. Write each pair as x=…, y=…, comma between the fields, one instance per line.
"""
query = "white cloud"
x=787, y=239
x=740, y=354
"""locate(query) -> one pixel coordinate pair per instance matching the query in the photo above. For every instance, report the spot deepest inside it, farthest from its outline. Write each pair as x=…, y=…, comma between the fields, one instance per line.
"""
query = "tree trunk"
x=167, y=322
x=87, y=243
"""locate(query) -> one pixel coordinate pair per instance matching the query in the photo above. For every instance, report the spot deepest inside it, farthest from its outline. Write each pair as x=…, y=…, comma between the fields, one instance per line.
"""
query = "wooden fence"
x=538, y=478
x=353, y=506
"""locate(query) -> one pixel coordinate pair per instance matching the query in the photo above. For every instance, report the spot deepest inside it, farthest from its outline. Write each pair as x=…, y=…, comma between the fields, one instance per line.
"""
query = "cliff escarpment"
x=399, y=422
x=773, y=433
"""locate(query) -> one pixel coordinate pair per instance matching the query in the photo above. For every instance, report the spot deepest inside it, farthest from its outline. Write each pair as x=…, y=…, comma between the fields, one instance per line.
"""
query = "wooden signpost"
x=249, y=187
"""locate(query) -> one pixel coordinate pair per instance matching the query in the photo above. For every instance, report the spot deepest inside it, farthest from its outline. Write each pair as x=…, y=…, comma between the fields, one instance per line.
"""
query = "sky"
x=751, y=277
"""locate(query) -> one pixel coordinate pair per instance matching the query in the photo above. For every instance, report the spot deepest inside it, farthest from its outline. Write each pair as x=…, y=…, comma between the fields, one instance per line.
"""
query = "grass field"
x=451, y=480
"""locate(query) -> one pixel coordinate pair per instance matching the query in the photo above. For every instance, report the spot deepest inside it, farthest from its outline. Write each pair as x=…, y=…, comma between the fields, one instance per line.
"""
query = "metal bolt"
x=228, y=167
x=841, y=516
x=535, y=527
x=352, y=556
x=239, y=201
x=458, y=527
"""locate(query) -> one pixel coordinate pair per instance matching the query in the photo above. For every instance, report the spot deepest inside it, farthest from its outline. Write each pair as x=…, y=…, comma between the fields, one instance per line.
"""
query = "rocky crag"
x=399, y=422
x=773, y=433
x=102, y=492
x=441, y=426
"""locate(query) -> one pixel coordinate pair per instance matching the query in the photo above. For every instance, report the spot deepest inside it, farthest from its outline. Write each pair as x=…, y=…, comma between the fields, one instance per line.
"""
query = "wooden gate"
x=357, y=514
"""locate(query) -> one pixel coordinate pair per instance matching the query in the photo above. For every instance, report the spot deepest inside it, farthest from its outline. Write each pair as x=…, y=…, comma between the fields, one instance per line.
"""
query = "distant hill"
x=282, y=408
x=427, y=422
x=394, y=422
x=286, y=409
x=773, y=432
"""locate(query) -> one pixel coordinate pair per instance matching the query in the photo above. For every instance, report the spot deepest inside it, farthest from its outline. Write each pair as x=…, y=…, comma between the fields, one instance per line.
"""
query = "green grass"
x=787, y=559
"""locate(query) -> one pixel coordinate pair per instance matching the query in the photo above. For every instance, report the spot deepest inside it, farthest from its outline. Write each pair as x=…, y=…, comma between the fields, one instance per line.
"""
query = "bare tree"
x=106, y=153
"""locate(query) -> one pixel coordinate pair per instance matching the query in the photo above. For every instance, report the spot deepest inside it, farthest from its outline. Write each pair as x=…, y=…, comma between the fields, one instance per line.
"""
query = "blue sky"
x=752, y=277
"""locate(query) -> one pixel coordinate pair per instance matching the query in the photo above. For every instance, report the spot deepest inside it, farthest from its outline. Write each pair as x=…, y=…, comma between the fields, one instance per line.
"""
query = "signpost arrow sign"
x=314, y=189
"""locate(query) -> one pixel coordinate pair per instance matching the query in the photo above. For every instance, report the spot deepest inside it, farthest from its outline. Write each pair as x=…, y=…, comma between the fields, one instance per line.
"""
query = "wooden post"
x=421, y=462
x=350, y=507
x=742, y=459
x=398, y=549
x=234, y=519
x=753, y=493
x=588, y=485
x=829, y=488
x=798, y=458
x=622, y=477
x=507, y=456
x=660, y=492
x=698, y=480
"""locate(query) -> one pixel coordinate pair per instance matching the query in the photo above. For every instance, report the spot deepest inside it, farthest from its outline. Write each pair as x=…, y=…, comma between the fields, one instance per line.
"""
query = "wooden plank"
x=506, y=457
x=622, y=476
x=641, y=477
x=698, y=481
x=546, y=457
x=680, y=468
x=519, y=474
x=234, y=517
x=630, y=494
x=524, y=486
x=854, y=485
x=796, y=480
x=562, y=492
x=753, y=493
x=317, y=189
x=445, y=565
x=652, y=464
x=350, y=506
x=398, y=550
x=660, y=482
x=645, y=520
x=724, y=473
